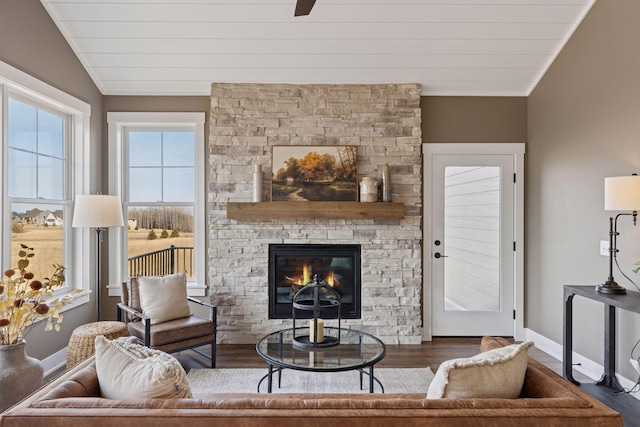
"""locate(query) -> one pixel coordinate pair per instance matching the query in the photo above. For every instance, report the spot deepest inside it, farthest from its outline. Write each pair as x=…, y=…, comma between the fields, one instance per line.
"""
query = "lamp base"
x=610, y=287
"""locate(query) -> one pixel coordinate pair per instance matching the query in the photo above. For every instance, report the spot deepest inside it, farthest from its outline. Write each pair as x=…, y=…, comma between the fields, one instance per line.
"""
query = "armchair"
x=188, y=332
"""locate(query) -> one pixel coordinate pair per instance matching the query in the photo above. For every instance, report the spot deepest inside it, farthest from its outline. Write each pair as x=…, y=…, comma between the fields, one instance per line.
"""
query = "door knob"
x=438, y=255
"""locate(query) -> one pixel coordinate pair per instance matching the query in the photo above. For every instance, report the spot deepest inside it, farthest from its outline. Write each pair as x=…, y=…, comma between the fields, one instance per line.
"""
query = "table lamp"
x=621, y=193
x=97, y=211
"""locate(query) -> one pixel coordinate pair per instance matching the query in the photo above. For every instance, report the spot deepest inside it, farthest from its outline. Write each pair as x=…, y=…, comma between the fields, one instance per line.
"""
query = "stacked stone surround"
x=384, y=121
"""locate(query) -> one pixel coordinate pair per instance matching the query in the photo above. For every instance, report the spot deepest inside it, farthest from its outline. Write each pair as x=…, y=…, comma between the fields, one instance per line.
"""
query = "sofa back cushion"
x=497, y=373
x=133, y=371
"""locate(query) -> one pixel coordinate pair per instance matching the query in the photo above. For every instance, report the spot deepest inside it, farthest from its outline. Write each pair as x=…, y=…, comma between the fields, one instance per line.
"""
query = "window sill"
x=81, y=300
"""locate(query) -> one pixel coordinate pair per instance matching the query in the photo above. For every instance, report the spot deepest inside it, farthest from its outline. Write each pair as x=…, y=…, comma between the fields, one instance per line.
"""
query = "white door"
x=471, y=244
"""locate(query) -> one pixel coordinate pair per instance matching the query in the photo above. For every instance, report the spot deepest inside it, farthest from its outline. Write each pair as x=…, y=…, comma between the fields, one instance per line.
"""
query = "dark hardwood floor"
x=428, y=354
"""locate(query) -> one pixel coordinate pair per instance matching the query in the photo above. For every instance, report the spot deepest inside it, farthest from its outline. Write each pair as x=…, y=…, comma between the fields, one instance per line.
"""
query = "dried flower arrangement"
x=24, y=300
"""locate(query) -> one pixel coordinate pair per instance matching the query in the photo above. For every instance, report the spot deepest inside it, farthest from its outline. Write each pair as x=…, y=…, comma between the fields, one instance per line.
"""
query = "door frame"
x=517, y=150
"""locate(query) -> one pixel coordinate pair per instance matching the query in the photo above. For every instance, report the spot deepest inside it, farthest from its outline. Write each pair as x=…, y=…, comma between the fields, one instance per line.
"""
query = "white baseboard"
x=54, y=362
x=581, y=364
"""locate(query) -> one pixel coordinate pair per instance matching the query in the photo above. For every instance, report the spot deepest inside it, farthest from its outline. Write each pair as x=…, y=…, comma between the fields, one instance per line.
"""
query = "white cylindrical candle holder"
x=312, y=331
x=257, y=183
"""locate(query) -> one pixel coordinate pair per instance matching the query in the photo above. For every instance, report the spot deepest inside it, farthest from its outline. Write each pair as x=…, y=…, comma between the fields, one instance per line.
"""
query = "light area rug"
x=394, y=380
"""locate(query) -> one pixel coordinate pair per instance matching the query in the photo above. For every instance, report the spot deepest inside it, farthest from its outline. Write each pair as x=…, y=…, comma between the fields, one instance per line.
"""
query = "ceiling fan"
x=303, y=7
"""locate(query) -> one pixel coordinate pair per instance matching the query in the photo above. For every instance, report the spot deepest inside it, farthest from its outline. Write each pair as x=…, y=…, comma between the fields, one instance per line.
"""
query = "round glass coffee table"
x=357, y=351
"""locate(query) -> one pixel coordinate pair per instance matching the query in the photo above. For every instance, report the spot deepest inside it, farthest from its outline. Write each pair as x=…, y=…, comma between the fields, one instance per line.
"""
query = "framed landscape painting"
x=315, y=173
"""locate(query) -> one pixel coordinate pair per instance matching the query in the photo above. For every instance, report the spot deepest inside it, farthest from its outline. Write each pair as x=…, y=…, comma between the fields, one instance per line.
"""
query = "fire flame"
x=306, y=274
x=330, y=279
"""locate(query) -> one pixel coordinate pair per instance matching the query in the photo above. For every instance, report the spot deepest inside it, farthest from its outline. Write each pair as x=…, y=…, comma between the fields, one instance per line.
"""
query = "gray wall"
x=31, y=42
x=473, y=119
x=583, y=127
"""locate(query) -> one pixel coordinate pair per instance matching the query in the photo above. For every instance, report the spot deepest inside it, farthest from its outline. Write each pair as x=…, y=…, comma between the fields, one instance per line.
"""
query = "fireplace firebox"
x=292, y=266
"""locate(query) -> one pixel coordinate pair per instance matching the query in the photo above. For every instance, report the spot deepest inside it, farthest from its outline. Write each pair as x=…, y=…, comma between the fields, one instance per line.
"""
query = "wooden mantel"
x=314, y=210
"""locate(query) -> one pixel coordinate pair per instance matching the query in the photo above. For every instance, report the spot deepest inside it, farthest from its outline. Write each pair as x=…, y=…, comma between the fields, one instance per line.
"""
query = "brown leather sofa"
x=546, y=400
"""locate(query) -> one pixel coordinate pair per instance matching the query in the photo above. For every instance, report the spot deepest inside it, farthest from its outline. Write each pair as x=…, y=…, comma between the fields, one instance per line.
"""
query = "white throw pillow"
x=497, y=373
x=164, y=298
x=132, y=371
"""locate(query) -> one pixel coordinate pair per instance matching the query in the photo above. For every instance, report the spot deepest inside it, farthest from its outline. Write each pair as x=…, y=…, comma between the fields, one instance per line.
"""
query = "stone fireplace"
x=384, y=122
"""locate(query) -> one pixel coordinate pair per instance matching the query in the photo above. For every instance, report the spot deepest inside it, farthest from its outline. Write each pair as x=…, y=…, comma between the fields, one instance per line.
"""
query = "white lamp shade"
x=97, y=211
x=622, y=193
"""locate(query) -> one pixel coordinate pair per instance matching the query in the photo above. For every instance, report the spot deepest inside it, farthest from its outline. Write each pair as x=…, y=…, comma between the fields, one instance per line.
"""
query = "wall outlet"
x=604, y=247
x=635, y=364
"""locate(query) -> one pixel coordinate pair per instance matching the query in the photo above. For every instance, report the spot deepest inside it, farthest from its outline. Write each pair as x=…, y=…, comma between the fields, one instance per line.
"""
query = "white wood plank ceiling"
x=179, y=47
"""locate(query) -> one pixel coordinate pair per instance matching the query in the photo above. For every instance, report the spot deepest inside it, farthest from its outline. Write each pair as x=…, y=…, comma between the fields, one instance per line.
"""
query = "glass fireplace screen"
x=293, y=266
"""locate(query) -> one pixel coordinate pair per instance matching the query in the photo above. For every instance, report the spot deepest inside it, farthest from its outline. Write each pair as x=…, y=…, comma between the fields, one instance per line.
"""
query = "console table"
x=630, y=301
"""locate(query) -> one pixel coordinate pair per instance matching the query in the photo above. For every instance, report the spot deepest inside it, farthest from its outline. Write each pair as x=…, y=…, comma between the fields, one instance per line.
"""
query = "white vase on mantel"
x=20, y=374
x=386, y=183
x=368, y=190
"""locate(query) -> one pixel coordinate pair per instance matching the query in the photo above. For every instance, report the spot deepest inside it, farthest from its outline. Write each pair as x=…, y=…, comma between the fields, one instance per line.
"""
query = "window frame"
x=120, y=122
x=27, y=89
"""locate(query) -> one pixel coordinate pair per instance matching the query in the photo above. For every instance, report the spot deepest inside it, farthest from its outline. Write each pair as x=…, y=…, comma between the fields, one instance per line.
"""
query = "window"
x=38, y=193
x=158, y=173
x=45, y=135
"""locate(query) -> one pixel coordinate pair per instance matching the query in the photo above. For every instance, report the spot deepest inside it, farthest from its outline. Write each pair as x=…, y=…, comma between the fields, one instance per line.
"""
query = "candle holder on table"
x=318, y=298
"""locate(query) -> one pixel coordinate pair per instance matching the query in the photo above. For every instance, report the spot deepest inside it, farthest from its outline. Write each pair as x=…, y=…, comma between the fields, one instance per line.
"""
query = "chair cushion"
x=497, y=373
x=164, y=298
x=133, y=371
x=173, y=331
